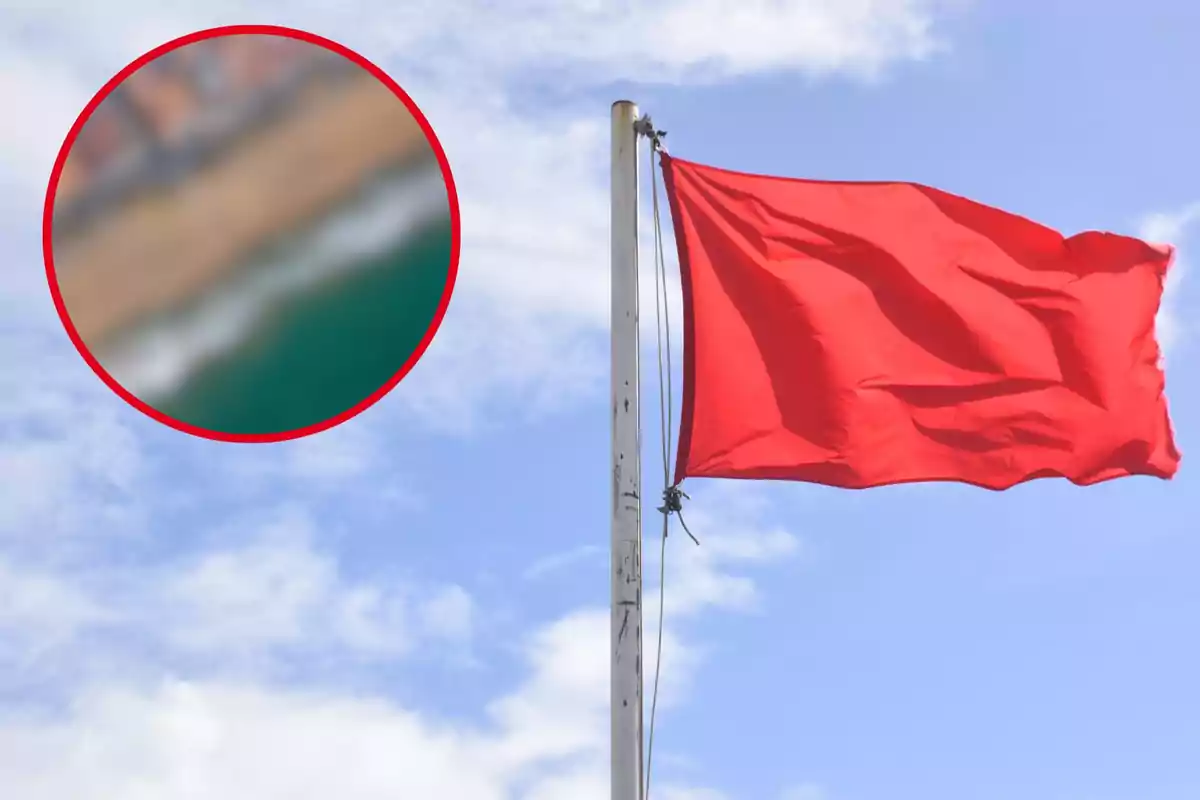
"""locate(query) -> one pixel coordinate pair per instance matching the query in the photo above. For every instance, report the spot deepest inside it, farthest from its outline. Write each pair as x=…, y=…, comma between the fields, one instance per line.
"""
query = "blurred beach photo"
x=252, y=235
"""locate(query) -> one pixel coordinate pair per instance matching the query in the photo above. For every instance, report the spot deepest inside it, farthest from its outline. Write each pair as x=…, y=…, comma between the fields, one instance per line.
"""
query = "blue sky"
x=414, y=605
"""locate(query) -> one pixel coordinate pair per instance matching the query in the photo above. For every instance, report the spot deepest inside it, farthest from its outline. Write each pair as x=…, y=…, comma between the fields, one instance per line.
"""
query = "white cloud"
x=348, y=459
x=805, y=791
x=485, y=361
x=263, y=595
x=177, y=740
x=186, y=740
x=277, y=591
x=49, y=98
x=557, y=561
x=238, y=606
x=1171, y=228
x=69, y=461
x=38, y=613
x=609, y=39
x=727, y=520
x=563, y=707
x=448, y=613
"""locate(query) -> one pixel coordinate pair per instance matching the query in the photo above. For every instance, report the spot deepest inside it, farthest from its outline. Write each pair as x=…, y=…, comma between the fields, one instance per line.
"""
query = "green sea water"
x=322, y=352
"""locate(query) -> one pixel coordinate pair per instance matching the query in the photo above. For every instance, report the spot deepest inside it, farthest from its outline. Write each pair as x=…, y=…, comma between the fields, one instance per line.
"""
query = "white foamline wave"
x=158, y=359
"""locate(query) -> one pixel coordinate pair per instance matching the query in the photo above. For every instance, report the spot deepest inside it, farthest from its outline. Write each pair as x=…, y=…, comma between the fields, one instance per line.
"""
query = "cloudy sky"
x=414, y=605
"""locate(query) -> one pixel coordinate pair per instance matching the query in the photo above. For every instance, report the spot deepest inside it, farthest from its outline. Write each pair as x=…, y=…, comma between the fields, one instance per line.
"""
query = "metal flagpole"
x=626, y=636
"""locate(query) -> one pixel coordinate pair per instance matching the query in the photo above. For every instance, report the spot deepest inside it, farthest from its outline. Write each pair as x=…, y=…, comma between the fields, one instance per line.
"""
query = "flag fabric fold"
x=864, y=334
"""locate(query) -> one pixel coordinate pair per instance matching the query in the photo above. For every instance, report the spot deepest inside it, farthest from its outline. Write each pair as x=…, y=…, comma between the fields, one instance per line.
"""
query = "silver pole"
x=626, y=640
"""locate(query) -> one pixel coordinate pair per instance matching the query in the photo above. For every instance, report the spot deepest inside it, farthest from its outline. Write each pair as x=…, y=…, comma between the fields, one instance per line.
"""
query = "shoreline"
x=161, y=250
x=158, y=357
x=319, y=352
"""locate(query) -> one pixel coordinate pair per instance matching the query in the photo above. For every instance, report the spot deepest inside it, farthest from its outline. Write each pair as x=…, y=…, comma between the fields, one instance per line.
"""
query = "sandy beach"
x=162, y=250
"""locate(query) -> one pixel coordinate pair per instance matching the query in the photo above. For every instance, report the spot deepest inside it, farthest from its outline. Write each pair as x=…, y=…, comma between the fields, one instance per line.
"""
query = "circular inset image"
x=251, y=234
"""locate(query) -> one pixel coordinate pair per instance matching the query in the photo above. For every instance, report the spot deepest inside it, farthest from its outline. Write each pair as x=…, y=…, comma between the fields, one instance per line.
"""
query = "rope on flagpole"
x=673, y=496
x=673, y=499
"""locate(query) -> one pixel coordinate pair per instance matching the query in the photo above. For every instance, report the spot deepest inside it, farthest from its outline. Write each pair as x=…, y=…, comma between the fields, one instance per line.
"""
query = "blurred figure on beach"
x=224, y=192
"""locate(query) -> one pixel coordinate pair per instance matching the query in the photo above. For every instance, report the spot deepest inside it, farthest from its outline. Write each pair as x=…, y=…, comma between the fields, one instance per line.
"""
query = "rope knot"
x=673, y=498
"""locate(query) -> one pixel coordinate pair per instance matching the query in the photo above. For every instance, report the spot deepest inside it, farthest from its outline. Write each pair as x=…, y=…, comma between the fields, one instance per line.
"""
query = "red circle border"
x=310, y=38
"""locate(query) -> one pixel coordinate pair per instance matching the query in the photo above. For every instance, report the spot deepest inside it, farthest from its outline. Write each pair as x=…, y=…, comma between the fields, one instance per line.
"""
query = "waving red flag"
x=862, y=334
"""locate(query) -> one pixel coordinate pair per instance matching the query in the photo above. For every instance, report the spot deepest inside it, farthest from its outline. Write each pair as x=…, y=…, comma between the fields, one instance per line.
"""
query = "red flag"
x=863, y=334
